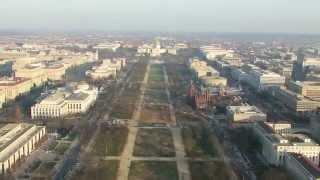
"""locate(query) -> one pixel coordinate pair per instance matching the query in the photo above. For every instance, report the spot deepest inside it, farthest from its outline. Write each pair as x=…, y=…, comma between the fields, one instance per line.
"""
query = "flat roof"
x=244, y=109
x=7, y=135
x=308, y=83
x=77, y=96
x=12, y=81
x=265, y=127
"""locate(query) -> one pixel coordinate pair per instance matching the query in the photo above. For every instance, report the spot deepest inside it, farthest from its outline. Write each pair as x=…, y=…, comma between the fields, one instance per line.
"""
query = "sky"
x=292, y=16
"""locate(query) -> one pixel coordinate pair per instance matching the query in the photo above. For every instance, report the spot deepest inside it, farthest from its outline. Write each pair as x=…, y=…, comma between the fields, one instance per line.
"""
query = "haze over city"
x=292, y=16
x=159, y=90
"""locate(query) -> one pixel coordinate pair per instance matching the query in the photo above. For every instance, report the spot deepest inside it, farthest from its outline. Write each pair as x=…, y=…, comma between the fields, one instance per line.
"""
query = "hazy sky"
x=163, y=15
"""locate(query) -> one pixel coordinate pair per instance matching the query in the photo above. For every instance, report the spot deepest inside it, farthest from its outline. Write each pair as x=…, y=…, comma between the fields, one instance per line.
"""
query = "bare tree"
x=17, y=114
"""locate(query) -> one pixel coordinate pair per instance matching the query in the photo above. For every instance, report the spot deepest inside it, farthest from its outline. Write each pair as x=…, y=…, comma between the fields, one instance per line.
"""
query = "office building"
x=294, y=101
x=213, y=81
x=65, y=101
x=200, y=68
x=2, y=98
x=108, y=46
x=17, y=141
x=214, y=51
x=245, y=113
x=11, y=87
x=309, y=89
x=276, y=146
x=263, y=79
x=108, y=68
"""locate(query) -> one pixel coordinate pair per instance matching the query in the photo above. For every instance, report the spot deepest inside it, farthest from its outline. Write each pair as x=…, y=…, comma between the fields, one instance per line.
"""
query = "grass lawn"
x=155, y=114
x=156, y=73
x=101, y=170
x=142, y=170
x=52, y=146
x=187, y=119
x=61, y=148
x=122, y=110
x=44, y=170
x=215, y=170
x=124, y=107
x=198, y=142
x=156, y=77
x=155, y=96
x=154, y=142
x=110, y=141
x=158, y=85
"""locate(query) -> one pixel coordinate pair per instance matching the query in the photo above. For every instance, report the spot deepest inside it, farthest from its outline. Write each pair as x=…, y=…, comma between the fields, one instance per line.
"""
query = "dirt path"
x=182, y=163
x=126, y=157
x=106, y=117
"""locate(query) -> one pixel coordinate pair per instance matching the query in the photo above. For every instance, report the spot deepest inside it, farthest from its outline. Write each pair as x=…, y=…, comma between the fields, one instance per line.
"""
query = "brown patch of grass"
x=153, y=171
x=110, y=141
x=155, y=143
x=98, y=171
x=210, y=171
x=155, y=114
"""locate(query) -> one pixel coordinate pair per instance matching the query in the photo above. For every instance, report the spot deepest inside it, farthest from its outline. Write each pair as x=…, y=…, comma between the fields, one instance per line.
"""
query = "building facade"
x=11, y=87
x=294, y=101
x=108, y=68
x=308, y=89
x=18, y=141
x=263, y=79
x=66, y=101
x=245, y=113
x=276, y=146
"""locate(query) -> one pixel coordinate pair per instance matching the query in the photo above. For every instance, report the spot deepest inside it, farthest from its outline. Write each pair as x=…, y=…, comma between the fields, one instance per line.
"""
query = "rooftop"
x=306, y=83
x=265, y=127
x=244, y=109
x=77, y=96
x=15, y=135
x=10, y=132
x=12, y=81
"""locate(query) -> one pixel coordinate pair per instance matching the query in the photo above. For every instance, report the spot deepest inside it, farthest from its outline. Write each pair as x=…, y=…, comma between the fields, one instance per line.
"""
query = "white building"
x=245, y=113
x=279, y=127
x=144, y=49
x=155, y=49
x=295, y=101
x=18, y=141
x=66, y=101
x=314, y=62
x=107, y=69
x=213, y=81
x=276, y=146
x=201, y=68
x=108, y=46
x=2, y=98
x=213, y=51
x=180, y=46
x=263, y=79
